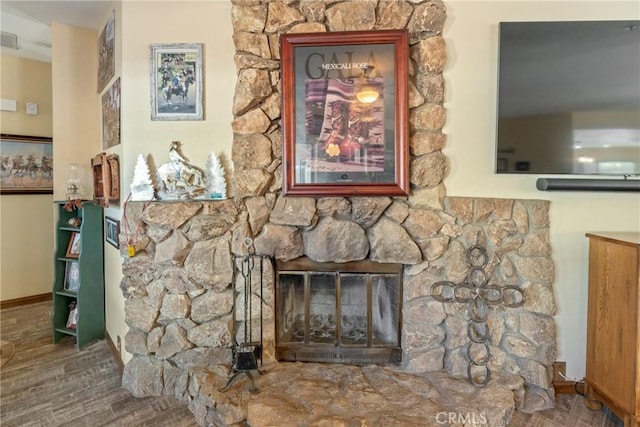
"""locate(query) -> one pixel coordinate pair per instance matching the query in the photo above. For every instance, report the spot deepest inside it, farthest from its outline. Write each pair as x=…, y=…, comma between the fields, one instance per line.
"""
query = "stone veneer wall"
x=178, y=286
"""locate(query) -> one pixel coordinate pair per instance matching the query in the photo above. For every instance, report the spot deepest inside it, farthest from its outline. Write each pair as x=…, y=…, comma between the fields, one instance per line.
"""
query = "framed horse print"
x=176, y=81
x=345, y=120
x=26, y=164
x=111, y=116
x=106, y=52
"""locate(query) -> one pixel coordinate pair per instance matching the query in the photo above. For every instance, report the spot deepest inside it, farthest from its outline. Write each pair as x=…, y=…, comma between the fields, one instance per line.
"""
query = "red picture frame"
x=345, y=121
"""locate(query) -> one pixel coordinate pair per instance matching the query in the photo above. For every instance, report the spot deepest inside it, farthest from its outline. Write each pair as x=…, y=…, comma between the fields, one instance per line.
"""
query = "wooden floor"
x=53, y=385
x=46, y=384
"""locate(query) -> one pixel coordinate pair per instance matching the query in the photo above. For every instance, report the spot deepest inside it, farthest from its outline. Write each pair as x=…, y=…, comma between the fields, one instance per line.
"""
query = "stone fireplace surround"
x=178, y=285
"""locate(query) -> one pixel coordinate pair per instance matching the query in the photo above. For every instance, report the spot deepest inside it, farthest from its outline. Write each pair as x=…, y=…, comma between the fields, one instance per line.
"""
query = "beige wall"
x=25, y=80
x=471, y=77
x=26, y=221
x=207, y=22
x=76, y=108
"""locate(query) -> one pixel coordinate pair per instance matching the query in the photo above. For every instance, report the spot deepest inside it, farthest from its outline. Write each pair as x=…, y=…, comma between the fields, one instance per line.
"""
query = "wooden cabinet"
x=79, y=274
x=613, y=325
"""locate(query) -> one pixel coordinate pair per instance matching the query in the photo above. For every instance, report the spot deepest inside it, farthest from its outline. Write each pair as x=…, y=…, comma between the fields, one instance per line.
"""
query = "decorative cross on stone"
x=476, y=291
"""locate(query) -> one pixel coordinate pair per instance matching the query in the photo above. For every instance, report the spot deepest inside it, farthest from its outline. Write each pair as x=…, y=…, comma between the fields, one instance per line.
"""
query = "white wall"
x=471, y=34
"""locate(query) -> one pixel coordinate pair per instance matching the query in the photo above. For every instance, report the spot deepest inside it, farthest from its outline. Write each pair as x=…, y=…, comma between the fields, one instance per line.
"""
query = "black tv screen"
x=569, y=98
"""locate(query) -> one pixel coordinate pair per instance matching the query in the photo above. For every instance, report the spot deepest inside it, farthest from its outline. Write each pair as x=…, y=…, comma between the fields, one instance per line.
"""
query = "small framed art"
x=112, y=231
x=72, y=276
x=73, y=249
x=176, y=81
x=106, y=52
x=111, y=116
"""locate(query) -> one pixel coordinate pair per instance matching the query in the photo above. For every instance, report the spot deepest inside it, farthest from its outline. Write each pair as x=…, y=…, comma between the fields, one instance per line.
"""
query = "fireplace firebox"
x=338, y=312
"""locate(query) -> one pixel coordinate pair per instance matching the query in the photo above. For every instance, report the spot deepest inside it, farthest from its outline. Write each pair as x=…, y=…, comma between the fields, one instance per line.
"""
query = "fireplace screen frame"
x=337, y=351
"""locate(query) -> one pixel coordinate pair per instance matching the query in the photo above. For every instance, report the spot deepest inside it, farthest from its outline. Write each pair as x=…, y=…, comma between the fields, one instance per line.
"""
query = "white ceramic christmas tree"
x=141, y=186
x=216, y=183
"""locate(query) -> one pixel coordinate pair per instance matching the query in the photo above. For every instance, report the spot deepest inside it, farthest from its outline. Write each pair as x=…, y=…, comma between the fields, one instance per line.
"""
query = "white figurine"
x=178, y=179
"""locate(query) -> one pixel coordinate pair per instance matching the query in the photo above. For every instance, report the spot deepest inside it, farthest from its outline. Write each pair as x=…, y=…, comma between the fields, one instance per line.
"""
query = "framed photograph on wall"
x=26, y=164
x=345, y=120
x=112, y=231
x=106, y=52
x=176, y=81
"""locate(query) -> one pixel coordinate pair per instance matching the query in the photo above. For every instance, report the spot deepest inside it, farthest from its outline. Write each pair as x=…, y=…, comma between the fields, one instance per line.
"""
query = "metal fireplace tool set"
x=247, y=348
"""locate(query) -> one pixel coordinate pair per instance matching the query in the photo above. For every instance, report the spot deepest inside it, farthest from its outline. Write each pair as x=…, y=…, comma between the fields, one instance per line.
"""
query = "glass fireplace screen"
x=347, y=312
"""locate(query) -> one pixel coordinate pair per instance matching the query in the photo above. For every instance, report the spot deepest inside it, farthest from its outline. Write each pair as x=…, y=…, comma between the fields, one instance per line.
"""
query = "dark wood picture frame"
x=26, y=164
x=336, y=141
x=112, y=231
x=73, y=248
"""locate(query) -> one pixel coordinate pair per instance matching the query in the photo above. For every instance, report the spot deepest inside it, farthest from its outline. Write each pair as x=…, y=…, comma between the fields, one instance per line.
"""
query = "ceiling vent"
x=9, y=40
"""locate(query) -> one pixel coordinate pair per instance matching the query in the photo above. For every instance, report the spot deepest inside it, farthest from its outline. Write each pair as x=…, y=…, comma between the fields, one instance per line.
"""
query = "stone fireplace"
x=179, y=304
x=179, y=285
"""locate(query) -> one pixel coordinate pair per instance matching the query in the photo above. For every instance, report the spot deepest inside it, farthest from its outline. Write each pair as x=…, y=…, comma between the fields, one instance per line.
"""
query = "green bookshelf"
x=79, y=274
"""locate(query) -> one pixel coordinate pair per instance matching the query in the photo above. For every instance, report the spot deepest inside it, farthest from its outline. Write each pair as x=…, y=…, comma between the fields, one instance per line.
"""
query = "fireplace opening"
x=338, y=312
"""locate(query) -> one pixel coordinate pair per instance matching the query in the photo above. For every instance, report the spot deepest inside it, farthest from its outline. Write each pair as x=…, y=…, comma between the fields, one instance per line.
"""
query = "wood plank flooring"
x=53, y=385
x=46, y=384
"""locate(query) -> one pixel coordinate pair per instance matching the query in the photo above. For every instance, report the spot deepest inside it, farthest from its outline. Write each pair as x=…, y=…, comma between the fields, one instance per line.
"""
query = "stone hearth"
x=178, y=286
x=294, y=394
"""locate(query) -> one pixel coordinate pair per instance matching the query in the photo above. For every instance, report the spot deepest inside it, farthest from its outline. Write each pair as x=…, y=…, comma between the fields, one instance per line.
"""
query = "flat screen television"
x=569, y=98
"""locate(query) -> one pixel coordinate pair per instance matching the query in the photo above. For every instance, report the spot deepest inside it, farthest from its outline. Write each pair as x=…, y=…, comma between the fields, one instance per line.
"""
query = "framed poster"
x=26, y=164
x=106, y=52
x=345, y=113
x=176, y=81
x=111, y=116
